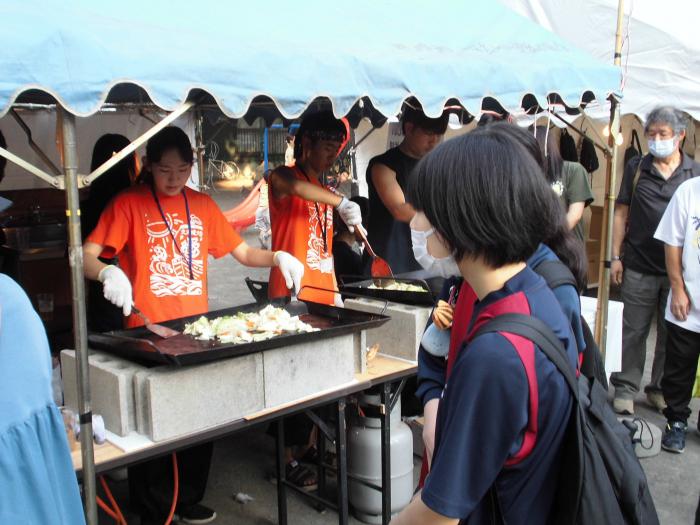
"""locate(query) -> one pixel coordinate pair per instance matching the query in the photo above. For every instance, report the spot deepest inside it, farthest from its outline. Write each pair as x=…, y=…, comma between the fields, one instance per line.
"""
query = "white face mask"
x=662, y=148
x=444, y=266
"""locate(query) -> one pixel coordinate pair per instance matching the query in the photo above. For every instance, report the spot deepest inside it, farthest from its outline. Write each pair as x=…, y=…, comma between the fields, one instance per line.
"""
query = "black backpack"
x=567, y=147
x=556, y=274
x=601, y=480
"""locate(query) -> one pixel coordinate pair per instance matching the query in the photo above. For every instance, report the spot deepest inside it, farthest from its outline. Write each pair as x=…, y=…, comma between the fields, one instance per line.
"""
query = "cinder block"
x=401, y=335
x=111, y=388
x=179, y=401
x=299, y=370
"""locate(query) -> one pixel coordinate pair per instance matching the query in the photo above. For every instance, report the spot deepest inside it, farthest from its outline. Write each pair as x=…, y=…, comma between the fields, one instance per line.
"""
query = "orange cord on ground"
x=115, y=512
x=120, y=517
x=176, y=488
x=109, y=511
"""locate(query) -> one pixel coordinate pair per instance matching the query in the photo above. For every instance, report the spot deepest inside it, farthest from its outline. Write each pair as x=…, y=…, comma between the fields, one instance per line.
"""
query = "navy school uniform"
x=497, y=427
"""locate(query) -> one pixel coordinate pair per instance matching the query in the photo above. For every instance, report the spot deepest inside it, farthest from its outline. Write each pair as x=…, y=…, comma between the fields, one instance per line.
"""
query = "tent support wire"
x=75, y=259
x=34, y=145
x=56, y=182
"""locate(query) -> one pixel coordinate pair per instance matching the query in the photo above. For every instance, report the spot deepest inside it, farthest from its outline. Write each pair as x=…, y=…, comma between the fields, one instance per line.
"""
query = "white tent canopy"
x=661, y=50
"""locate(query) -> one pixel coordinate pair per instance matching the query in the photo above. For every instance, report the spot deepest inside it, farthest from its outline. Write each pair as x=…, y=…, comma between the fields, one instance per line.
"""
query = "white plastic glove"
x=116, y=287
x=350, y=212
x=292, y=270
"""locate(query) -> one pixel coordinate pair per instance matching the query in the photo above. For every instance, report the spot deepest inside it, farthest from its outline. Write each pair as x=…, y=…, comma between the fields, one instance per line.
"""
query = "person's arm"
x=391, y=194
x=292, y=270
x=284, y=183
x=574, y=214
x=418, y=513
x=253, y=257
x=92, y=266
x=430, y=411
x=578, y=192
x=619, y=227
x=116, y=286
x=680, y=302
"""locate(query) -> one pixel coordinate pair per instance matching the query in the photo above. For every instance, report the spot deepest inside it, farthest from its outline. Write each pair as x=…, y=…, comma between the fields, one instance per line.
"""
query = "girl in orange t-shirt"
x=301, y=208
x=163, y=232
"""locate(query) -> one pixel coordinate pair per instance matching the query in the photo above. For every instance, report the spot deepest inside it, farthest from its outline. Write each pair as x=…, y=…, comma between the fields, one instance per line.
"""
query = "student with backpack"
x=505, y=408
x=559, y=260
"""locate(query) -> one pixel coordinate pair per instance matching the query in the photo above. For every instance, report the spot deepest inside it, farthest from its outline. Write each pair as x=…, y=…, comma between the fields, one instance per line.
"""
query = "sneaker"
x=196, y=515
x=623, y=406
x=656, y=400
x=673, y=439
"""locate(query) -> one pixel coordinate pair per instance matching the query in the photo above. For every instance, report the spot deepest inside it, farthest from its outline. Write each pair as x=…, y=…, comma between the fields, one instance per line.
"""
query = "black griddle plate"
x=362, y=288
x=141, y=345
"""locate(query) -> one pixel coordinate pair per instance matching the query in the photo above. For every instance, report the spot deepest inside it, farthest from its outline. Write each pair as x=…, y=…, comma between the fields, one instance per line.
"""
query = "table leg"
x=281, y=477
x=386, y=452
x=341, y=450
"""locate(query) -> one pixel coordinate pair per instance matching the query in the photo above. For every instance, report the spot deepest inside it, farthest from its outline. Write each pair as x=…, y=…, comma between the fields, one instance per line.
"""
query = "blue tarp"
x=293, y=52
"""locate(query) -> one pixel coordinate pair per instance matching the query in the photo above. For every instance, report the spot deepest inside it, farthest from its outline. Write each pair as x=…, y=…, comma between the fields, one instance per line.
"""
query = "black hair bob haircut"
x=486, y=196
x=169, y=138
x=319, y=126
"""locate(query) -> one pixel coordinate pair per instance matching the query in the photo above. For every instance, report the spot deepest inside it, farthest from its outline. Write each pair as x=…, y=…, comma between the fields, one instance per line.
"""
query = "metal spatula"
x=379, y=268
x=158, y=329
x=296, y=307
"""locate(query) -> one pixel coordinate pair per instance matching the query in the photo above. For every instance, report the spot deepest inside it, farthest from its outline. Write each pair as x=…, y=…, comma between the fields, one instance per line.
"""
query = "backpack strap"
x=635, y=180
x=555, y=273
x=539, y=333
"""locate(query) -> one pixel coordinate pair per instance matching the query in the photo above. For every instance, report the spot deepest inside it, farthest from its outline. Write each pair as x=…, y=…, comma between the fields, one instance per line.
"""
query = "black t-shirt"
x=391, y=239
x=345, y=260
x=647, y=202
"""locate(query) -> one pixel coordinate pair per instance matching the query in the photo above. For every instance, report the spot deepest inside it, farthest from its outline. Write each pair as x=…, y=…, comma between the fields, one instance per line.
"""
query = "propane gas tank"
x=365, y=461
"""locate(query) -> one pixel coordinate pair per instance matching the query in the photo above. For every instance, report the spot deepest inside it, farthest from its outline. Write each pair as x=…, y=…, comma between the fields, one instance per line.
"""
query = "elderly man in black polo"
x=647, y=186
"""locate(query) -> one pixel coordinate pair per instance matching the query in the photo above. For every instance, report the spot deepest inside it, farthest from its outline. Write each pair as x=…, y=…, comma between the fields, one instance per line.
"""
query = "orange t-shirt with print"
x=299, y=227
x=132, y=228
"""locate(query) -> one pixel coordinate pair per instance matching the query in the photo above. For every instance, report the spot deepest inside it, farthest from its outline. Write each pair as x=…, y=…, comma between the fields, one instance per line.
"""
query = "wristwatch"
x=616, y=258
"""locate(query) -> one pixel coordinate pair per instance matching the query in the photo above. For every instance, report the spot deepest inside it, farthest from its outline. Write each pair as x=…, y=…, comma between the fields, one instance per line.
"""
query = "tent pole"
x=199, y=148
x=75, y=258
x=601, y=325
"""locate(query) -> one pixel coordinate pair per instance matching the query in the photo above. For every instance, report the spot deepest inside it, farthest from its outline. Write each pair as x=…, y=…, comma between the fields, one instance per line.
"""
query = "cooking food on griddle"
x=398, y=287
x=245, y=327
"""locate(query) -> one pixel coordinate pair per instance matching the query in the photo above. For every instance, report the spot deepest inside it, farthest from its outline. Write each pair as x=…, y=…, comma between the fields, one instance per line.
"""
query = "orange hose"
x=113, y=502
x=176, y=488
x=109, y=511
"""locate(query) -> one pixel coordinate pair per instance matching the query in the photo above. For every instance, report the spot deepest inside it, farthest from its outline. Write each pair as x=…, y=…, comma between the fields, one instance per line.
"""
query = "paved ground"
x=242, y=462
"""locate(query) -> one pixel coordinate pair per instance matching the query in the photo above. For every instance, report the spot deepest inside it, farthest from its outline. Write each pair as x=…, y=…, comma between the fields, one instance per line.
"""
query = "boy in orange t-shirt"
x=301, y=208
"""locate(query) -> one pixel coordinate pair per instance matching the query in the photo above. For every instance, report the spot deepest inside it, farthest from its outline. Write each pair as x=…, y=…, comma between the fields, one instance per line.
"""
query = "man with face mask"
x=647, y=186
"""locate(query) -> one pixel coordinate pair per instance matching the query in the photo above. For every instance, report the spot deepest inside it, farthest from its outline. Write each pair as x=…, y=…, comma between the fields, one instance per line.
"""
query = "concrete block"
x=179, y=401
x=299, y=370
x=111, y=388
x=401, y=335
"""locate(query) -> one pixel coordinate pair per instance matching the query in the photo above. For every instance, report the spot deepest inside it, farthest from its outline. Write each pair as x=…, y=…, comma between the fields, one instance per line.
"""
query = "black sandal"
x=300, y=476
x=311, y=457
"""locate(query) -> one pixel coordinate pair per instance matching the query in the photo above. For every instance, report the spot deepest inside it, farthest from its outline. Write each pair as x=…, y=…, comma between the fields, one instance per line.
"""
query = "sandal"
x=311, y=457
x=300, y=476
